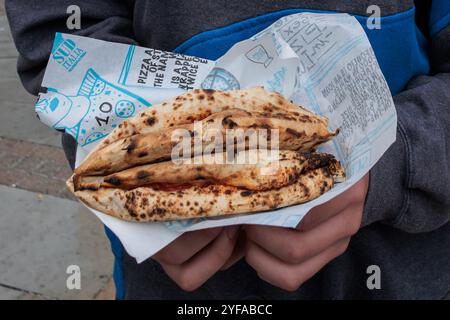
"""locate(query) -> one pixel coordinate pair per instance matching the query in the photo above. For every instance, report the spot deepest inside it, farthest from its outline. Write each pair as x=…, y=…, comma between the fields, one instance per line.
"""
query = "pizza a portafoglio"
x=132, y=175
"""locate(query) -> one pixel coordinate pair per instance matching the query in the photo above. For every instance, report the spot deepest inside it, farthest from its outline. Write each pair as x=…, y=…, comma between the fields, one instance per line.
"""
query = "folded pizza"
x=133, y=176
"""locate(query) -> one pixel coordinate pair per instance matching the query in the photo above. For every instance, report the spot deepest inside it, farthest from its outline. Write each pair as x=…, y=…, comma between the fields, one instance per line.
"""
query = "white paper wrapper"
x=323, y=62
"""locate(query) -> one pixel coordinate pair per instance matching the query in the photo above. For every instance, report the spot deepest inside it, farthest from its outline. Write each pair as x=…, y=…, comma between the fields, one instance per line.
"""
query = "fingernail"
x=232, y=232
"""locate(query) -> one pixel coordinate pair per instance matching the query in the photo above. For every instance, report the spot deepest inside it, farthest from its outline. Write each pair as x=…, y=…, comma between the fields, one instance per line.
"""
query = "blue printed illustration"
x=220, y=79
x=66, y=52
x=178, y=225
x=276, y=84
x=93, y=112
x=259, y=55
x=124, y=108
x=126, y=65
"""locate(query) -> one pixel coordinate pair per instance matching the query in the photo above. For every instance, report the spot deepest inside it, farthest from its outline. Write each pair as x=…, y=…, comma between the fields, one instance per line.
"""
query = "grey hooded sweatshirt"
x=405, y=229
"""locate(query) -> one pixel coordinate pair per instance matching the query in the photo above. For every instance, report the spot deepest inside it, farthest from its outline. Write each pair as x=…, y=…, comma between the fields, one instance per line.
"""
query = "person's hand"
x=191, y=259
x=286, y=258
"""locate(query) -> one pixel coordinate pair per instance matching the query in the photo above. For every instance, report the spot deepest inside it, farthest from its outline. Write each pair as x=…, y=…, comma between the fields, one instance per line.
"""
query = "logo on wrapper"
x=97, y=108
x=66, y=52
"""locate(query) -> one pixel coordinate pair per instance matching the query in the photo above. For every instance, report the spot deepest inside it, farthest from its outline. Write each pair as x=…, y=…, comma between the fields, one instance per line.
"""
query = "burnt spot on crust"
x=294, y=132
x=228, y=122
x=86, y=188
x=292, y=177
x=150, y=121
x=131, y=146
x=304, y=188
x=209, y=91
x=201, y=96
x=130, y=204
x=113, y=180
x=269, y=107
x=283, y=116
x=305, y=118
x=246, y=193
x=143, y=175
x=209, y=94
x=142, y=154
x=323, y=187
x=215, y=189
x=158, y=212
x=319, y=160
x=228, y=191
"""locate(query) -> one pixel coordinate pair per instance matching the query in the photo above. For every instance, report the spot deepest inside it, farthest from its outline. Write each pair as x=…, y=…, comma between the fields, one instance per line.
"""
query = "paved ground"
x=42, y=229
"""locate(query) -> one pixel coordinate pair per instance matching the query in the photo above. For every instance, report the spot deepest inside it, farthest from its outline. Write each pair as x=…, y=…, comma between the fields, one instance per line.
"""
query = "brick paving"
x=34, y=167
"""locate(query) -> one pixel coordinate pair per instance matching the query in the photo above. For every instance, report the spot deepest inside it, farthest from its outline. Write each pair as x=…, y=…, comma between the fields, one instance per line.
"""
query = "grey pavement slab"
x=18, y=119
x=14, y=294
x=7, y=47
x=40, y=236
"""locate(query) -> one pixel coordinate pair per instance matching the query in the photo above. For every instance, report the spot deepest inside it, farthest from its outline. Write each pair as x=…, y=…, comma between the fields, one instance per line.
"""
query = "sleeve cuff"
x=386, y=194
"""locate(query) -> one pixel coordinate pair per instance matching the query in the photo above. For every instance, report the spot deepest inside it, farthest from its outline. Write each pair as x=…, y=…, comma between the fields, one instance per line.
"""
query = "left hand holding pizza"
x=286, y=258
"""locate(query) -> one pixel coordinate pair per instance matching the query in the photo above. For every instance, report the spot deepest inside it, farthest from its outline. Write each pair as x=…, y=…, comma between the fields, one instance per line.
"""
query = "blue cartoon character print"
x=62, y=112
x=91, y=114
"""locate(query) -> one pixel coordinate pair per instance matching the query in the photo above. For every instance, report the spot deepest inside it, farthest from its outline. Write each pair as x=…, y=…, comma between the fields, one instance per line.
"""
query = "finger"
x=293, y=246
x=186, y=246
x=286, y=276
x=354, y=195
x=323, y=212
x=238, y=252
x=192, y=274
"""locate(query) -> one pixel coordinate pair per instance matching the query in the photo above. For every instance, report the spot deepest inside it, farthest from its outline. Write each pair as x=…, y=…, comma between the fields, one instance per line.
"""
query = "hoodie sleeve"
x=410, y=185
x=34, y=23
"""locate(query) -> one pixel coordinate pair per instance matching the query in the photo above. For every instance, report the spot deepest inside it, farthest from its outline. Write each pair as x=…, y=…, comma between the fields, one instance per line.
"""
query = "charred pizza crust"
x=295, y=133
x=198, y=104
x=145, y=204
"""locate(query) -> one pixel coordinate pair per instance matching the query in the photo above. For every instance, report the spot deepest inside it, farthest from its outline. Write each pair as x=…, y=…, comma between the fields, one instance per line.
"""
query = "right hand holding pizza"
x=196, y=256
